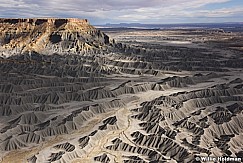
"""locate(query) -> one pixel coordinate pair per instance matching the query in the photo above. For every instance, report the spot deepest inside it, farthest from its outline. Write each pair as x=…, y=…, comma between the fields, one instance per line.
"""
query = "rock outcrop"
x=158, y=104
x=50, y=35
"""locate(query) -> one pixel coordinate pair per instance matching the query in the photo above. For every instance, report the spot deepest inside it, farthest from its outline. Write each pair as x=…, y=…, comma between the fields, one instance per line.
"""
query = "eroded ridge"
x=50, y=35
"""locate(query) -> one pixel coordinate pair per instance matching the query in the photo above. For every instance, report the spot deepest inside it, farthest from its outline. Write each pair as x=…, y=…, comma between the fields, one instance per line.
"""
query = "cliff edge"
x=50, y=35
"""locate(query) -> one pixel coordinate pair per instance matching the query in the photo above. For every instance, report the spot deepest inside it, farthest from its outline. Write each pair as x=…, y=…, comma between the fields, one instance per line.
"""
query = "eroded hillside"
x=50, y=35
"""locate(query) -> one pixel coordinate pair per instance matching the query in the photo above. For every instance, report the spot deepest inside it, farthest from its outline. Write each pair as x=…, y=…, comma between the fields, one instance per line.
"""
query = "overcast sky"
x=129, y=11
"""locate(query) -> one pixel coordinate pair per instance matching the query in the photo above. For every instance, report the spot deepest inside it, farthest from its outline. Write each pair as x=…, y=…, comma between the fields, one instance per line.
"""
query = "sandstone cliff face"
x=50, y=35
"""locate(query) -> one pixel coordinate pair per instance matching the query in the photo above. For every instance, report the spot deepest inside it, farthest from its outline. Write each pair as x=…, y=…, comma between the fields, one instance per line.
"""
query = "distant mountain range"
x=226, y=26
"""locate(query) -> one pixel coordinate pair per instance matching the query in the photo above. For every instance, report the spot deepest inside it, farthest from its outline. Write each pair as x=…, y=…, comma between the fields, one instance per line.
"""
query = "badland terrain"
x=72, y=93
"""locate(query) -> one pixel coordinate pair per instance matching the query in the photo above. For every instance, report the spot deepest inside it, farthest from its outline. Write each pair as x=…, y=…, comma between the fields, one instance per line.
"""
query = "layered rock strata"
x=50, y=35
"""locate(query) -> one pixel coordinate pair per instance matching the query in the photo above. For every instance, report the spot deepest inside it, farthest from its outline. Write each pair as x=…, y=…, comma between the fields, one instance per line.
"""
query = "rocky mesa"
x=50, y=35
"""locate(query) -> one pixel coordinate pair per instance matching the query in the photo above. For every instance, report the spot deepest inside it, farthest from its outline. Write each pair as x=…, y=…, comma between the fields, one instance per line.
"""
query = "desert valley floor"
x=170, y=96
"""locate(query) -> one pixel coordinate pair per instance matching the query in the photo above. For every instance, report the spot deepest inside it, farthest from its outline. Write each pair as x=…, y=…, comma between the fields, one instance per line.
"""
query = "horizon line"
x=170, y=23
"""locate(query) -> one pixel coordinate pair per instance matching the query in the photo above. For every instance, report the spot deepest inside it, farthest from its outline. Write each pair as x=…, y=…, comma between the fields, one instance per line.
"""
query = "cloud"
x=116, y=11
